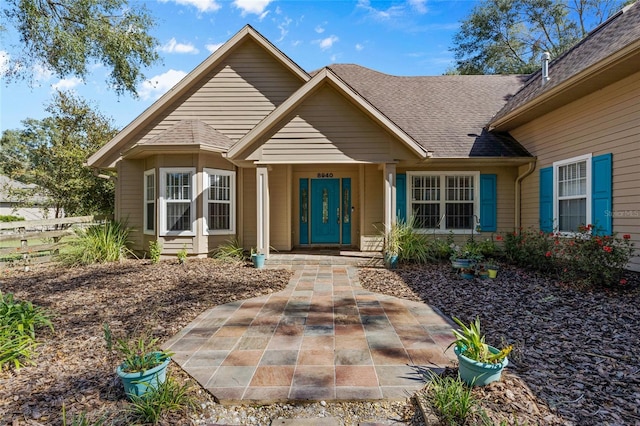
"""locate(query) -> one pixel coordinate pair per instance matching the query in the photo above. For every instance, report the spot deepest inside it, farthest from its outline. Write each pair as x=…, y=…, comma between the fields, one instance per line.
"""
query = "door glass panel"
x=325, y=205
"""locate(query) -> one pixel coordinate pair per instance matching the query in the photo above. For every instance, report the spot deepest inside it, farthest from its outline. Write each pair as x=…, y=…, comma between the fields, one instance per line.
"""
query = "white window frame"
x=232, y=201
x=163, y=202
x=556, y=190
x=443, y=201
x=147, y=202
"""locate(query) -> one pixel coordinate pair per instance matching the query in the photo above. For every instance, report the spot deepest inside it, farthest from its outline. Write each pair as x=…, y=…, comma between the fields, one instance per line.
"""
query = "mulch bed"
x=134, y=297
x=576, y=350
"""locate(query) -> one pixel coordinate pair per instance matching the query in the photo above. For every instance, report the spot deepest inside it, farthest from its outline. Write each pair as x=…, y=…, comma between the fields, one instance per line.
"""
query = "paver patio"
x=322, y=338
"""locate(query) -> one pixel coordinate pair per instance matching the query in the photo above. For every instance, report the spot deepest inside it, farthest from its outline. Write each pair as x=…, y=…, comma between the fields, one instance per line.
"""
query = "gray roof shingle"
x=445, y=114
x=617, y=32
x=192, y=132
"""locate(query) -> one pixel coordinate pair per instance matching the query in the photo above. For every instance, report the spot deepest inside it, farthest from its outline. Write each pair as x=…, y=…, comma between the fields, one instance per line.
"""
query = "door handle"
x=338, y=215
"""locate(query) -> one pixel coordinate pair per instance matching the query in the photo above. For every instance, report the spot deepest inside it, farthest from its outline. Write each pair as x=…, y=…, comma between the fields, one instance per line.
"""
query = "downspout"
x=532, y=167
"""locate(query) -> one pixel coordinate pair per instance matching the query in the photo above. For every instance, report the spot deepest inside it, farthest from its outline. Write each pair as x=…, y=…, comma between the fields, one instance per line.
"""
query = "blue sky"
x=403, y=37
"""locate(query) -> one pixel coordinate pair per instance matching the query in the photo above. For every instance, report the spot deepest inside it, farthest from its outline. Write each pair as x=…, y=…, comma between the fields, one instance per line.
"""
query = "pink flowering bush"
x=583, y=257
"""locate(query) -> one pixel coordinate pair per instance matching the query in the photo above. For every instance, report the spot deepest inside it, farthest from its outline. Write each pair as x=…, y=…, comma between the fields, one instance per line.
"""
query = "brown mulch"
x=135, y=297
x=577, y=351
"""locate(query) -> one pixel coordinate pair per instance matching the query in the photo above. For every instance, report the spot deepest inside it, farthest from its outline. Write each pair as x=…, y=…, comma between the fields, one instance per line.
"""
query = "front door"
x=325, y=211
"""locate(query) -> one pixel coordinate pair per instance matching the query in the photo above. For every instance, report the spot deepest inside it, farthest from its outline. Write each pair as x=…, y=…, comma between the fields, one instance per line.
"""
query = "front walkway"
x=322, y=338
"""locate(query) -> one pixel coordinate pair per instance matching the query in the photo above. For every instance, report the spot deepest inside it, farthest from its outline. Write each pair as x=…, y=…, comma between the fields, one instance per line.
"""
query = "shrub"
x=18, y=323
x=231, y=250
x=167, y=397
x=414, y=247
x=582, y=257
x=451, y=399
x=182, y=254
x=11, y=218
x=98, y=244
x=155, y=249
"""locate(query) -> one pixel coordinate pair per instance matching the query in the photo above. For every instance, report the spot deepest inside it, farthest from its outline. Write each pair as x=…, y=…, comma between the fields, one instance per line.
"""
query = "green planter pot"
x=493, y=273
x=391, y=261
x=461, y=263
x=476, y=373
x=258, y=260
x=141, y=382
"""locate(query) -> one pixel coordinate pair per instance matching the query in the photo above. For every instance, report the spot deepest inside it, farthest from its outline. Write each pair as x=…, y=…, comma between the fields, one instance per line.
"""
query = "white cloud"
x=66, y=84
x=381, y=15
x=160, y=84
x=284, y=28
x=172, y=46
x=4, y=61
x=201, y=5
x=319, y=29
x=327, y=43
x=419, y=6
x=257, y=7
x=212, y=47
x=359, y=47
x=41, y=73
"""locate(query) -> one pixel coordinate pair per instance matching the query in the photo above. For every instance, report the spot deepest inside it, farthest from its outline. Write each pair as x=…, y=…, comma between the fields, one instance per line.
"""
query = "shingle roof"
x=8, y=185
x=617, y=32
x=445, y=114
x=191, y=132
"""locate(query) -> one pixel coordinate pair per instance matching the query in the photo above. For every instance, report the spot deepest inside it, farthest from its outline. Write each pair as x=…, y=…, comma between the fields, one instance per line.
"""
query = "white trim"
x=556, y=166
x=232, y=201
x=146, y=202
x=443, y=200
x=163, y=203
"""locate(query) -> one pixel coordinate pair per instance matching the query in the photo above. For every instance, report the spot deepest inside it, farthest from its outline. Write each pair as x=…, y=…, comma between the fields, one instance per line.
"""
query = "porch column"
x=389, y=170
x=262, y=206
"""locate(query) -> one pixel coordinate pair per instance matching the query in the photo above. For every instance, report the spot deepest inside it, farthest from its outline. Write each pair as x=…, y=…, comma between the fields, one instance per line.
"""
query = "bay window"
x=150, y=201
x=177, y=201
x=219, y=201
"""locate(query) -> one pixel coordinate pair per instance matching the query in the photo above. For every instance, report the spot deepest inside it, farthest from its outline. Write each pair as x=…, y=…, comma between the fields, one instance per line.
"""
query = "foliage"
x=138, y=355
x=52, y=154
x=80, y=419
x=471, y=343
x=155, y=250
x=10, y=218
x=230, y=250
x=18, y=323
x=451, y=399
x=68, y=37
x=101, y=243
x=167, y=397
x=471, y=250
x=509, y=36
x=182, y=255
x=581, y=257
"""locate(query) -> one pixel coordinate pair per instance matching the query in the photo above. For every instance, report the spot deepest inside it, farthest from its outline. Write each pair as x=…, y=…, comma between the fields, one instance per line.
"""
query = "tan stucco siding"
x=327, y=128
x=130, y=197
x=233, y=97
x=607, y=121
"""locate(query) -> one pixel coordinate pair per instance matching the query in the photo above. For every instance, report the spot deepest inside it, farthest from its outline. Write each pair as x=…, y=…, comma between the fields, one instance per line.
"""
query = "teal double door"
x=325, y=211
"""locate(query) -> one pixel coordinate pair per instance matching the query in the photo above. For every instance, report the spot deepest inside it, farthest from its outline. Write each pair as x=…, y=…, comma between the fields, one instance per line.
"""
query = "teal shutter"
x=488, y=203
x=401, y=197
x=601, y=194
x=546, y=199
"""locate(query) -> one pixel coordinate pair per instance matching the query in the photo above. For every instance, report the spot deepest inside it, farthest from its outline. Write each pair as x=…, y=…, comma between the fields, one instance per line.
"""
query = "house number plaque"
x=325, y=175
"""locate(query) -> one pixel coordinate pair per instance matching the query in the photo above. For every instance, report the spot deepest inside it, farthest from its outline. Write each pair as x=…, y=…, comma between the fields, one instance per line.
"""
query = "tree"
x=69, y=35
x=509, y=36
x=55, y=149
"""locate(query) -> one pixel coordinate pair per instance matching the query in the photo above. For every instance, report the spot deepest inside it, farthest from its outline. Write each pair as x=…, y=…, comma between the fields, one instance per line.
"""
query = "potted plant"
x=479, y=364
x=468, y=273
x=144, y=366
x=257, y=258
x=492, y=269
x=465, y=257
x=482, y=272
x=392, y=246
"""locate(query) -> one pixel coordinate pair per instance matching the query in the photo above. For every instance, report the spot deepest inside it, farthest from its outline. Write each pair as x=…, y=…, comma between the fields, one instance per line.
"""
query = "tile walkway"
x=322, y=338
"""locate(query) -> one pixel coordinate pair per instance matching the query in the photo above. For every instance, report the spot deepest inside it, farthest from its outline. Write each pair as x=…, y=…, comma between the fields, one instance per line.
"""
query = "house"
x=28, y=207
x=250, y=145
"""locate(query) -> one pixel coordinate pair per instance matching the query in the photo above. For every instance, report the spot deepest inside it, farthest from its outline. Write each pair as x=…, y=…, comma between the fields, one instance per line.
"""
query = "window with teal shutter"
x=546, y=199
x=488, y=203
x=601, y=202
x=401, y=197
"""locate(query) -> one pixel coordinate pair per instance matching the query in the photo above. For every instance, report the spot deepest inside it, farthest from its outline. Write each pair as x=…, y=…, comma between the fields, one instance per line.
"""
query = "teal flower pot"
x=391, y=261
x=476, y=373
x=461, y=263
x=258, y=260
x=141, y=382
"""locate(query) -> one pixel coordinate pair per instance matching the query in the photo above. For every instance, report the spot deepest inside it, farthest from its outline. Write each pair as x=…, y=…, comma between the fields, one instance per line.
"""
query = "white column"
x=389, y=171
x=262, y=206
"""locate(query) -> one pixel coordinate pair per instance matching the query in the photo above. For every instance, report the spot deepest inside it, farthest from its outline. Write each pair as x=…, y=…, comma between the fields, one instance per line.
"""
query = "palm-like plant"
x=471, y=343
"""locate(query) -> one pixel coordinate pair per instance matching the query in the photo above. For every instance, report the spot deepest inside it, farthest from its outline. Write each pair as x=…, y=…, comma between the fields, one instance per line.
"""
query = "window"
x=444, y=200
x=150, y=201
x=177, y=209
x=219, y=201
x=572, y=193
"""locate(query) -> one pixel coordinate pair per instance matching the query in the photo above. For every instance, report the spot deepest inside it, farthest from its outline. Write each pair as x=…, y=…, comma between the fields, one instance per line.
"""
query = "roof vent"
x=546, y=56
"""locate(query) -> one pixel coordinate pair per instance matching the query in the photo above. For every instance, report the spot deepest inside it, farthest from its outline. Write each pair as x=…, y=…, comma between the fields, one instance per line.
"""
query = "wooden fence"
x=38, y=240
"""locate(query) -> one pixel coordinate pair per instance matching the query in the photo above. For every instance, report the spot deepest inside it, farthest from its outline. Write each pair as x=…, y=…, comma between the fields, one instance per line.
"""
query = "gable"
x=231, y=91
x=327, y=127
